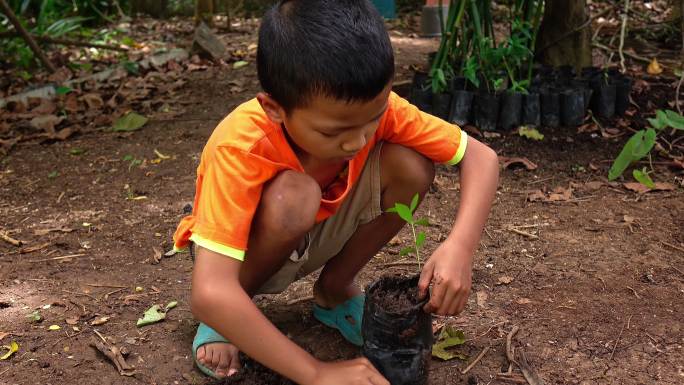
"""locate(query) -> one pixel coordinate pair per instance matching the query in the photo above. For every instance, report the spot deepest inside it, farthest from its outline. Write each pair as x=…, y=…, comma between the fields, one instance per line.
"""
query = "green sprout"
x=406, y=213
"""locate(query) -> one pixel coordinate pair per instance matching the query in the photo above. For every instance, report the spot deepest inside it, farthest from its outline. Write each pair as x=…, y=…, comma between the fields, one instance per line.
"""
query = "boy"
x=300, y=178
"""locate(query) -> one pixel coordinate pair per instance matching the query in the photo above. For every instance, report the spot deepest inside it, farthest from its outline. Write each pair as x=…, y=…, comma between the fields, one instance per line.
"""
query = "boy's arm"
x=219, y=301
x=449, y=268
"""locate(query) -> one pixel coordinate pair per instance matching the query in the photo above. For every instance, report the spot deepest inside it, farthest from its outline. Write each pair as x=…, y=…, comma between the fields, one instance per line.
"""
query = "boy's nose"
x=355, y=144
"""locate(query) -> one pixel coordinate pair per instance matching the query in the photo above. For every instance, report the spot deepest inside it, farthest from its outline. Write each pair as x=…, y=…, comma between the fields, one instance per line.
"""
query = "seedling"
x=406, y=213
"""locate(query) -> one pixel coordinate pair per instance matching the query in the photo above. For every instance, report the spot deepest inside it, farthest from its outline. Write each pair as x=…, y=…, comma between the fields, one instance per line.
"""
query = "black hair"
x=334, y=48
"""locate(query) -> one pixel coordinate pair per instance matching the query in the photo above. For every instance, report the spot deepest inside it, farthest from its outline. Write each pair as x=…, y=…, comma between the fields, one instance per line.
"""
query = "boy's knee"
x=289, y=204
x=406, y=166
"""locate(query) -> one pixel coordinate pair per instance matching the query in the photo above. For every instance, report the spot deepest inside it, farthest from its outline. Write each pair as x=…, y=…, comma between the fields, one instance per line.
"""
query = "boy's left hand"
x=449, y=269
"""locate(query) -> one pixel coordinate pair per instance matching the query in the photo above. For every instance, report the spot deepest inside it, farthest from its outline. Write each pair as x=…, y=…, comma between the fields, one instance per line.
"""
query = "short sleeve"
x=228, y=191
x=435, y=138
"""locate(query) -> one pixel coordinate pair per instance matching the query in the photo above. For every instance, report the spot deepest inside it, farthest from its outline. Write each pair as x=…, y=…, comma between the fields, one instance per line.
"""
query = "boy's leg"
x=286, y=212
x=403, y=173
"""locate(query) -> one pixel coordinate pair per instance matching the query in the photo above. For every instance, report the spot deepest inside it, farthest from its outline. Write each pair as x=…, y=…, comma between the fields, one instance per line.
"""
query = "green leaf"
x=420, y=239
x=530, y=133
x=638, y=146
x=239, y=64
x=675, y=120
x=62, y=90
x=131, y=67
x=127, y=158
x=642, y=177
x=12, y=348
x=130, y=122
x=171, y=305
x=77, y=151
x=53, y=175
x=152, y=315
x=403, y=211
x=657, y=123
x=128, y=41
x=448, y=338
x=407, y=251
x=414, y=203
x=422, y=222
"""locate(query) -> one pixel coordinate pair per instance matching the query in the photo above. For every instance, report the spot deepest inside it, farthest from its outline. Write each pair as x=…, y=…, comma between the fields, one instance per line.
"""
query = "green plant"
x=406, y=213
x=640, y=145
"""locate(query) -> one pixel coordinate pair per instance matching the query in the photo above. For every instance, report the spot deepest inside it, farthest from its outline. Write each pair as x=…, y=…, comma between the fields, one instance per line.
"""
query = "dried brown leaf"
x=93, y=100
x=504, y=280
x=508, y=162
x=46, y=123
x=641, y=189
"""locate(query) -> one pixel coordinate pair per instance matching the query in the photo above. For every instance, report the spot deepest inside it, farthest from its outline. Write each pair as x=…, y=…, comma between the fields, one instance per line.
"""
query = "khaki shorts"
x=327, y=238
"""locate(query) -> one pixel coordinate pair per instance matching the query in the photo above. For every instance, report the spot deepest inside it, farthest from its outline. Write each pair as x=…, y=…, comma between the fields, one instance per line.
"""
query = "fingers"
x=375, y=378
x=378, y=380
x=439, y=291
x=425, y=278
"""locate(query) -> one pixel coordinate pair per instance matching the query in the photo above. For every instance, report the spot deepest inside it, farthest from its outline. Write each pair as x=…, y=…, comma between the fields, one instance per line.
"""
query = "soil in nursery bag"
x=441, y=104
x=603, y=101
x=486, y=111
x=397, y=333
x=461, y=104
x=421, y=92
x=572, y=107
x=511, y=110
x=531, y=109
x=550, y=107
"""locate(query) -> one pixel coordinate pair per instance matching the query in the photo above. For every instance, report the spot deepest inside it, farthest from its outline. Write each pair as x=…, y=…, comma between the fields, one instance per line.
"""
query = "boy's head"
x=333, y=48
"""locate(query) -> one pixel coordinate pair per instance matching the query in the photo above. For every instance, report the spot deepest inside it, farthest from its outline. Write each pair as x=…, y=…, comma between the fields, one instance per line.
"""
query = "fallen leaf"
x=491, y=135
x=35, y=316
x=54, y=327
x=71, y=321
x=507, y=162
x=3, y=335
x=560, y=194
x=641, y=189
x=530, y=133
x=157, y=255
x=448, y=338
x=12, y=348
x=160, y=155
x=481, y=297
x=45, y=107
x=46, y=123
x=100, y=321
x=94, y=101
x=130, y=122
x=504, y=280
x=155, y=314
x=239, y=64
x=523, y=301
x=536, y=196
x=654, y=67
x=595, y=185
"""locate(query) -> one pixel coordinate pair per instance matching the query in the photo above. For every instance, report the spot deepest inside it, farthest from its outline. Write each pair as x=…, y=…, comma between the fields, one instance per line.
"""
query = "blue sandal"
x=338, y=318
x=205, y=335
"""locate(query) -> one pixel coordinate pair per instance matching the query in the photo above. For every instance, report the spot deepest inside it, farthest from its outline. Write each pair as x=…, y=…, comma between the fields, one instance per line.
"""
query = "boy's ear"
x=271, y=107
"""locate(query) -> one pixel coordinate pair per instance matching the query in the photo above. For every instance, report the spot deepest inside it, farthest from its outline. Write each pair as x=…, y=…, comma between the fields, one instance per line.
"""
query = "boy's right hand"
x=353, y=372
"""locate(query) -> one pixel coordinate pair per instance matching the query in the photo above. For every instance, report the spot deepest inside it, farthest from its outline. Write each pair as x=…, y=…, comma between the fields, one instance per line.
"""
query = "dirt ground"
x=595, y=282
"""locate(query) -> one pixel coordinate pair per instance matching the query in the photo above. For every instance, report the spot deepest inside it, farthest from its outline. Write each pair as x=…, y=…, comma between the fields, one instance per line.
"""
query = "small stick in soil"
x=523, y=233
x=393, y=264
x=677, y=270
x=82, y=294
x=672, y=246
x=635, y=292
x=528, y=371
x=100, y=335
x=107, y=286
x=618, y=339
x=515, y=379
x=5, y=237
x=106, y=296
x=298, y=300
x=58, y=258
x=509, y=341
x=477, y=359
x=5, y=371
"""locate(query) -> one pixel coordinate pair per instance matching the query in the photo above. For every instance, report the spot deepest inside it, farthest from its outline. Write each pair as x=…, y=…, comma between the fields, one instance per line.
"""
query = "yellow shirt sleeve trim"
x=218, y=248
x=463, y=143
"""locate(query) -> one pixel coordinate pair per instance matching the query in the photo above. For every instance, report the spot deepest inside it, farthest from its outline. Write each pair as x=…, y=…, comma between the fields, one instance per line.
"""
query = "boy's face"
x=328, y=129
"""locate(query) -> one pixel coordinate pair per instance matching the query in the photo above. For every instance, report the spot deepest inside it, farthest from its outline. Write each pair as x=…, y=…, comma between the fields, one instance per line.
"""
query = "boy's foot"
x=342, y=311
x=214, y=355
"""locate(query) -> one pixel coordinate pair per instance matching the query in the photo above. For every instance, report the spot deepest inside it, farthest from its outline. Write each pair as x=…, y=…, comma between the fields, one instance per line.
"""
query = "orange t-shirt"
x=247, y=149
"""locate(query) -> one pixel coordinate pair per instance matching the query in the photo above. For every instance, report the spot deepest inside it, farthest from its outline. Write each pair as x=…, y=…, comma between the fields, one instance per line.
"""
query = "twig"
x=82, y=294
x=100, y=335
x=106, y=296
x=635, y=292
x=298, y=300
x=107, y=286
x=5, y=371
x=25, y=35
x=672, y=246
x=477, y=359
x=528, y=371
x=632, y=55
x=5, y=237
x=618, y=339
x=623, y=30
x=676, y=269
x=509, y=349
x=523, y=233
x=58, y=258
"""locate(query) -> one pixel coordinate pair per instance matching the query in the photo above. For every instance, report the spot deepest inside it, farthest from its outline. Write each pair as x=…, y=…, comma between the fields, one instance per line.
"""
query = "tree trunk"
x=565, y=34
x=204, y=12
